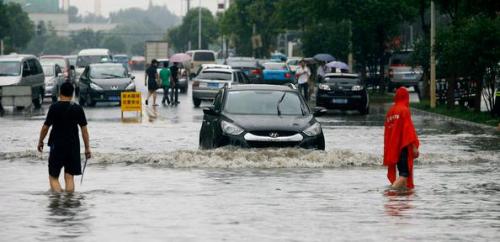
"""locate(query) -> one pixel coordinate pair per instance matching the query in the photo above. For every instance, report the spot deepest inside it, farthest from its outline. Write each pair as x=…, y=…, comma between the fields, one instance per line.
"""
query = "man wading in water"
x=65, y=117
x=400, y=142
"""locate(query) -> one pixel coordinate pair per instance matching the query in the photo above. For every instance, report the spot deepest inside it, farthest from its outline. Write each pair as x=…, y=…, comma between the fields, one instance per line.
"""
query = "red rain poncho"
x=399, y=132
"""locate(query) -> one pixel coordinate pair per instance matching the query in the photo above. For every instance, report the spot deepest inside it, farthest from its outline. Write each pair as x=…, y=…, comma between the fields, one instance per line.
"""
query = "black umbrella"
x=324, y=57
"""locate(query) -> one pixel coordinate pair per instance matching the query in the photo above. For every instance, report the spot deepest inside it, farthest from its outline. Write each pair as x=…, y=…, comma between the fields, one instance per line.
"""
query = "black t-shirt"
x=151, y=72
x=174, y=70
x=65, y=117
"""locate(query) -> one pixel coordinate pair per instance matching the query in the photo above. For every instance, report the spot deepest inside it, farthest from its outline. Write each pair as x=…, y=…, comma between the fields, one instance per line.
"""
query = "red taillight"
x=256, y=72
x=288, y=75
x=196, y=83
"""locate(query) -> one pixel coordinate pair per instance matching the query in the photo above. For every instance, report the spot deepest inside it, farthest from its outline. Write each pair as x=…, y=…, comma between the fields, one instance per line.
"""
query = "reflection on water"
x=398, y=203
x=68, y=215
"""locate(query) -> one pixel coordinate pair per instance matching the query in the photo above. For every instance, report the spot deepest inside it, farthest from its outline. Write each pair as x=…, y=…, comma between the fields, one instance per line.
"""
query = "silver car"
x=23, y=70
x=53, y=79
x=401, y=73
x=206, y=85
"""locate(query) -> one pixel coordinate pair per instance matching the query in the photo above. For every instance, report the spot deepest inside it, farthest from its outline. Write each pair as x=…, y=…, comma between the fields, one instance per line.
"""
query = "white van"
x=91, y=56
x=200, y=57
x=23, y=70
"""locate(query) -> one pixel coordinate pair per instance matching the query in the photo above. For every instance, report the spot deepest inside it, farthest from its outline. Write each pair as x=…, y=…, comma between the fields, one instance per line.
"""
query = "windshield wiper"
x=279, y=103
x=111, y=75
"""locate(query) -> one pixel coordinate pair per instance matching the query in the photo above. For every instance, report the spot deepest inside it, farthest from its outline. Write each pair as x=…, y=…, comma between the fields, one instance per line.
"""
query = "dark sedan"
x=343, y=91
x=257, y=116
x=248, y=65
x=104, y=82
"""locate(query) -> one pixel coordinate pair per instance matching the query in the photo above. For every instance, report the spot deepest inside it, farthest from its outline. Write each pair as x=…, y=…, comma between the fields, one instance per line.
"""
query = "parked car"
x=248, y=65
x=206, y=85
x=293, y=63
x=23, y=70
x=212, y=66
x=257, y=116
x=63, y=63
x=137, y=63
x=71, y=59
x=277, y=73
x=343, y=91
x=400, y=72
x=53, y=80
x=199, y=57
x=104, y=82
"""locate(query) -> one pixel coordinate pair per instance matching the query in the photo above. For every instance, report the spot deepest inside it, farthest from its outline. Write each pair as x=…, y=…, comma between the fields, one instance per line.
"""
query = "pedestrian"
x=174, y=88
x=321, y=72
x=303, y=74
x=64, y=117
x=152, y=81
x=400, y=142
x=165, y=82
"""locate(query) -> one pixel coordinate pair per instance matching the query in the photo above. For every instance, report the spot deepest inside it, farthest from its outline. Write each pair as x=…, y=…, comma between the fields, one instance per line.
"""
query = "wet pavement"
x=148, y=181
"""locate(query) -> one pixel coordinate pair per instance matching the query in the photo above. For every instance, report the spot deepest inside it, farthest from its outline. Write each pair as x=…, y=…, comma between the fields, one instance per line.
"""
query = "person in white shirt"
x=321, y=72
x=303, y=73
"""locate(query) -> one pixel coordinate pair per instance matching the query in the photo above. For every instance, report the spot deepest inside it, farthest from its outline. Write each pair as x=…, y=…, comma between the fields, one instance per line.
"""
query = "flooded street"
x=149, y=181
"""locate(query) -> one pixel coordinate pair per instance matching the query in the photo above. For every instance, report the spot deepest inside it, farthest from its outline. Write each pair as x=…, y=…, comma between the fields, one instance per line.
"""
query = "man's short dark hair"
x=154, y=61
x=67, y=89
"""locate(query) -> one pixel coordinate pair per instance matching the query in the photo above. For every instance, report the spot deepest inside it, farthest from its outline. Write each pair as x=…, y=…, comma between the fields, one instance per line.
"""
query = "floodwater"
x=148, y=181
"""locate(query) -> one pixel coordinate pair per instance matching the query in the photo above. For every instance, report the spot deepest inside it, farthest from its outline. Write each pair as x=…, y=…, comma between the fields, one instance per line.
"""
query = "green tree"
x=115, y=44
x=87, y=39
x=187, y=32
x=137, y=48
x=15, y=28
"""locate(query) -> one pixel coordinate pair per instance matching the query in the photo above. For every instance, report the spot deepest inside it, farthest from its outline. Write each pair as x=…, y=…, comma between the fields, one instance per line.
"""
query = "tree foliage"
x=16, y=29
x=187, y=32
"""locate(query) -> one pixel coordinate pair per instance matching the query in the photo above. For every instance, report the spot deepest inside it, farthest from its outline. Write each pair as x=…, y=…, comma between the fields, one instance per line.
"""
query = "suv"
x=209, y=81
x=259, y=116
x=23, y=70
x=199, y=57
x=343, y=91
x=401, y=73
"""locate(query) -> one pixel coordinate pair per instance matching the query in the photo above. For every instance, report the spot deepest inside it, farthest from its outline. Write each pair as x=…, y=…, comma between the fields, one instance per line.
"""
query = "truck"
x=155, y=50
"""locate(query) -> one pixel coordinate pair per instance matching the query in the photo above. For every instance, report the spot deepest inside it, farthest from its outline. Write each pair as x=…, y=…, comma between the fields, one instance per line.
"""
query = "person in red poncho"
x=400, y=142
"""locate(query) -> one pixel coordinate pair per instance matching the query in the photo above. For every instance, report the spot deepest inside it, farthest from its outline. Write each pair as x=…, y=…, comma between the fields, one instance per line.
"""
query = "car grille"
x=260, y=144
x=269, y=132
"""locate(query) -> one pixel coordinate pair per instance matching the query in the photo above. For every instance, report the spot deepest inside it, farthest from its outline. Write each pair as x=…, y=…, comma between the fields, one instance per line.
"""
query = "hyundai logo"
x=114, y=87
x=274, y=135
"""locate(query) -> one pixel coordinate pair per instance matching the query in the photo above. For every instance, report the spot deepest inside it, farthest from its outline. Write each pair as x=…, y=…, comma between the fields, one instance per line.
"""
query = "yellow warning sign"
x=131, y=102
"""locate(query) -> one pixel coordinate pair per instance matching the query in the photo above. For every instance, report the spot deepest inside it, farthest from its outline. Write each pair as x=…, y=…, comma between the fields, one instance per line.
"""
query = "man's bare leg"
x=55, y=186
x=154, y=98
x=69, y=182
x=400, y=183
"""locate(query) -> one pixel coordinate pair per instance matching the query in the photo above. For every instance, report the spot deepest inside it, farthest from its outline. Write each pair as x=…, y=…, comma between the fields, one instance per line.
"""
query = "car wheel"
x=37, y=102
x=196, y=102
x=365, y=110
x=81, y=100
x=88, y=101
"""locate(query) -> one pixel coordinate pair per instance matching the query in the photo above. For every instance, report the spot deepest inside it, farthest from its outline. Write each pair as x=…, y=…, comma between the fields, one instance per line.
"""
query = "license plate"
x=114, y=98
x=339, y=101
x=409, y=76
x=213, y=85
x=203, y=84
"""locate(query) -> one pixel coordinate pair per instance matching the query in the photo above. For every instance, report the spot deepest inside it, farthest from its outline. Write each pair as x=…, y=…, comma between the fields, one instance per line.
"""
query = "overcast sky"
x=178, y=7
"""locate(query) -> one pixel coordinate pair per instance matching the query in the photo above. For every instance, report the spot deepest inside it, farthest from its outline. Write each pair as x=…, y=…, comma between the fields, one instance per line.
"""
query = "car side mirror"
x=210, y=111
x=319, y=111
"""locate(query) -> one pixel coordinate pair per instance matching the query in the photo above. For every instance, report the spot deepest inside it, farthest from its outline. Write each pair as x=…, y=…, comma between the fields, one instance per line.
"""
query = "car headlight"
x=95, y=87
x=229, y=128
x=324, y=87
x=313, y=130
x=130, y=87
x=357, y=88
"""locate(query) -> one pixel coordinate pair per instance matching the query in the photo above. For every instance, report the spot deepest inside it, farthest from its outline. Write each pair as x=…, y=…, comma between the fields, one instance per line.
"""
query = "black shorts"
x=69, y=158
x=403, y=163
x=152, y=85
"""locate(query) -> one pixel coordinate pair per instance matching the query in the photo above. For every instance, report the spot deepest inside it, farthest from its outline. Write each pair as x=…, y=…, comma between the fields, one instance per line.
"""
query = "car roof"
x=16, y=57
x=107, y=64
x=219, y=70
x=49, y=64
x=262, y=87
x=339, y=74
x=94, y=52
x=52, y=57
x=215, y=66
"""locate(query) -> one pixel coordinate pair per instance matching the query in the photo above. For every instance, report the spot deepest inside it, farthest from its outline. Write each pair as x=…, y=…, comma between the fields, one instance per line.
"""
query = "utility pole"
x=433, y=56
x=199, y=24
x=188, y=5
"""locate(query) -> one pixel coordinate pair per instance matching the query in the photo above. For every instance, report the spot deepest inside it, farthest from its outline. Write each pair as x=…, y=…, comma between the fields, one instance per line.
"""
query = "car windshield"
x=293, y=62
x=353, y=80
x=264, y=103
x=72, y=60
x=242, y=64
x=204, y=56
x=400, y=59
x=108, y=72
x=120, y=59
x=60, y=62
x=10, y=68
x=83, y=61
x=275, y=66
x=48, y=70
x=215, y=75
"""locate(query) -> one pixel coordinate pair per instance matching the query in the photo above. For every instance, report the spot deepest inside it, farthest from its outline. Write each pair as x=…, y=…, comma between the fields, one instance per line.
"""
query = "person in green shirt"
x=165, y=83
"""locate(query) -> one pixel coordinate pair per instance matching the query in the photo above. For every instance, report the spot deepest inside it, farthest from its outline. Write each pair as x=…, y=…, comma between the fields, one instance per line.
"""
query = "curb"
x=452, y=119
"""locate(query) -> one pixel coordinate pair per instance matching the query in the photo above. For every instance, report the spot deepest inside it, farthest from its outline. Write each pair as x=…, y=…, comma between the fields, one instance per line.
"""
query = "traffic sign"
x=131, y=102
